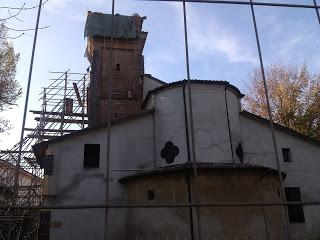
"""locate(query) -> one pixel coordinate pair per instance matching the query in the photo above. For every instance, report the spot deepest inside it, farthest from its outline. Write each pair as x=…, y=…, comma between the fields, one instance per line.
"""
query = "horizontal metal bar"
x=266, y=4
x=75, y=73
x=9, y=151
x=59, y=120
x=49, y=130
x=74, y=114
x=42, y=136
x=169, y=205
x=133, y=170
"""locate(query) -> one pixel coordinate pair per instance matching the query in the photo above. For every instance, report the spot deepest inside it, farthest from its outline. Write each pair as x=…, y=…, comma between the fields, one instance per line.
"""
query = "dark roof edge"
x=194, y=81
x=281, y=128
x=155, y=79
x=41, y=145
x=199, y=165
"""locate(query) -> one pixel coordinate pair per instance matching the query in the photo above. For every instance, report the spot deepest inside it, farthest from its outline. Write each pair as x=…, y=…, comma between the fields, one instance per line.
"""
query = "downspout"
x=189, y=160
x=228, y=120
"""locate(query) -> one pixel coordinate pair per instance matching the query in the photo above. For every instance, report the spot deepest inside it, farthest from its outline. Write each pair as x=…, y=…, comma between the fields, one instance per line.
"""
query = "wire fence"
x=194, y=201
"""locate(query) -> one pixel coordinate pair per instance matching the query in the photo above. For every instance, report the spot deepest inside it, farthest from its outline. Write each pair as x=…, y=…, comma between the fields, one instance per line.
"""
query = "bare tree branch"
x=25, y=8
x=13, y=16
x=20, y=35
x=25, y=30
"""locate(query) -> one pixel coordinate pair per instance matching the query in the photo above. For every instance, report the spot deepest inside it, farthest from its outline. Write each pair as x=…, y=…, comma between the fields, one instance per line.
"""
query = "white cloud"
x=218, y=40
x=77, y=18
x=56, y=5
x=212, y=37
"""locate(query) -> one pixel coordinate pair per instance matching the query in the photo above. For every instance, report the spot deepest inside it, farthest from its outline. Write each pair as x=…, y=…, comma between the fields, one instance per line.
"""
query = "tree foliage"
x=10, y=90
x=294, y=97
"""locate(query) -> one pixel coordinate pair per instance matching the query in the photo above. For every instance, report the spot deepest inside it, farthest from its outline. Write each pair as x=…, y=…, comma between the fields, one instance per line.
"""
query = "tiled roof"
x=199, y=165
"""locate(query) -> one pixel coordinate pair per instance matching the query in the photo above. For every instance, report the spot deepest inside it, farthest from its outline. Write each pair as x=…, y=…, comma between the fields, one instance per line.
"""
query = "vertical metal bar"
x=83, y=100
x=109, y=107
x=64, y=102
x=274, y=140
x=194, y=194
x=42, y=116
x=189, y=159
x=17, y=168
x=317, y=10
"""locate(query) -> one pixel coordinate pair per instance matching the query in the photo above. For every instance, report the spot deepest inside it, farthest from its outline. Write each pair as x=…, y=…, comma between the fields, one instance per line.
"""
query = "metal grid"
x=193, y=203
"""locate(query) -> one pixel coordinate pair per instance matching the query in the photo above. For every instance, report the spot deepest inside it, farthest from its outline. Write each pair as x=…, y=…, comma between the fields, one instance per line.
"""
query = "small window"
x=118, y=67
x=48, y=164
x=44, y=227
x=295, y=212
x=150, y=195
x=286, y=154
x=91, y=155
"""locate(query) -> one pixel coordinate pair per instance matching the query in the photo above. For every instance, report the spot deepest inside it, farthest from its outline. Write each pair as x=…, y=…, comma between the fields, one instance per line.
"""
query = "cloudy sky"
x=221, y=42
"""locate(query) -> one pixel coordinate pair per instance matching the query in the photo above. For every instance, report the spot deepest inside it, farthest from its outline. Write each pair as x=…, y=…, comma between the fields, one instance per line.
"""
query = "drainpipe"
x=227, y=111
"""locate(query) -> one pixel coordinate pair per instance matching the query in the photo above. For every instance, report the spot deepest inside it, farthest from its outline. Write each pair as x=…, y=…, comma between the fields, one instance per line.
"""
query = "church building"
x=221, y=157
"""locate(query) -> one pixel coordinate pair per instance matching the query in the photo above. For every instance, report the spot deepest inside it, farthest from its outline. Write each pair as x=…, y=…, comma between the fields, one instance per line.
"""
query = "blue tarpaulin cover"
x=99, y=24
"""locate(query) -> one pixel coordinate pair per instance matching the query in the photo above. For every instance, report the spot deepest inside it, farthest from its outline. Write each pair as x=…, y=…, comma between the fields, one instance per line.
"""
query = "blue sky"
x=221, y=42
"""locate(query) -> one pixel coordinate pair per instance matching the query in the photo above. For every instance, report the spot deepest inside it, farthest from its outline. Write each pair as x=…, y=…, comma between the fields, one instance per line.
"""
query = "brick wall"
x=127, y=76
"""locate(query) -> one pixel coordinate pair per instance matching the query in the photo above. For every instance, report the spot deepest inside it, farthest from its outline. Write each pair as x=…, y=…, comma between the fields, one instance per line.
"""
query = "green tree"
x=10, y=90
x=294, y=97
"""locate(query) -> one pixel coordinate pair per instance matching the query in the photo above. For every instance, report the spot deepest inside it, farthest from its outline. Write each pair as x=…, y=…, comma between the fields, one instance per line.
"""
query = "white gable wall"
x=72, y=184
x=302, y=172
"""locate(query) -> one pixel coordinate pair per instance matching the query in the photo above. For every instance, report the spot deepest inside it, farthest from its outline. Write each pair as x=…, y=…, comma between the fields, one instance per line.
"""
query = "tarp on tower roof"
x=99, y=24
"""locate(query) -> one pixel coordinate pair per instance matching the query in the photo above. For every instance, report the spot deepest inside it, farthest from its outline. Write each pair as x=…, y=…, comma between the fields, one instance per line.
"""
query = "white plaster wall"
x=211, y=133
x=132, y=145
x=149, y=84
x=211, y=130
x=234, y=108
x=170, y=124
x=302, y=172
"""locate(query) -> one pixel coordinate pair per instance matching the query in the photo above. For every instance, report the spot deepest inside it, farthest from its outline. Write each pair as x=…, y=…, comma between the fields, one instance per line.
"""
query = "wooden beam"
x=77, y=94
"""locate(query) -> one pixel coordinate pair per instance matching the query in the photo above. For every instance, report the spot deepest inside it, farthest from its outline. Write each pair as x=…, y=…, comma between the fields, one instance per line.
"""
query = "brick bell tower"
x=127, y=65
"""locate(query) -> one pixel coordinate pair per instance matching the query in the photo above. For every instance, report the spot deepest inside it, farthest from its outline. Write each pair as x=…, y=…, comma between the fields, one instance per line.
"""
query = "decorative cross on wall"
x=169, y=152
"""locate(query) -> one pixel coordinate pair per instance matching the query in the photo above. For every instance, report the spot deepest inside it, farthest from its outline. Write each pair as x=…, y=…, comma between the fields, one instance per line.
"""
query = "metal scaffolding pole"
x=168, y=205
x=109, y=107
x=17, y=167
x=274, y=139
x=317, y=10
x=194, y=190
x=266, y=4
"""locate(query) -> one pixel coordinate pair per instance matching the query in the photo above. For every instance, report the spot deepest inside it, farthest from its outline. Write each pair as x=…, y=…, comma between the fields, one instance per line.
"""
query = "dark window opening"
x=286, y=154
x=44, y=226
x=150, y=195
x=295, y=212
x=91, y=155
x=48, y=164
x=118, y=67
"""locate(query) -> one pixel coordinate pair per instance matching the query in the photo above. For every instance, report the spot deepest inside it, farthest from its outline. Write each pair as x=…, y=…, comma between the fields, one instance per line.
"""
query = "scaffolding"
x=63, y=111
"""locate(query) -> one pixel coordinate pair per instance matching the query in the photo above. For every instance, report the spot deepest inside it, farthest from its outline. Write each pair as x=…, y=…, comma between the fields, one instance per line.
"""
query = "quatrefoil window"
x=169, y=152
